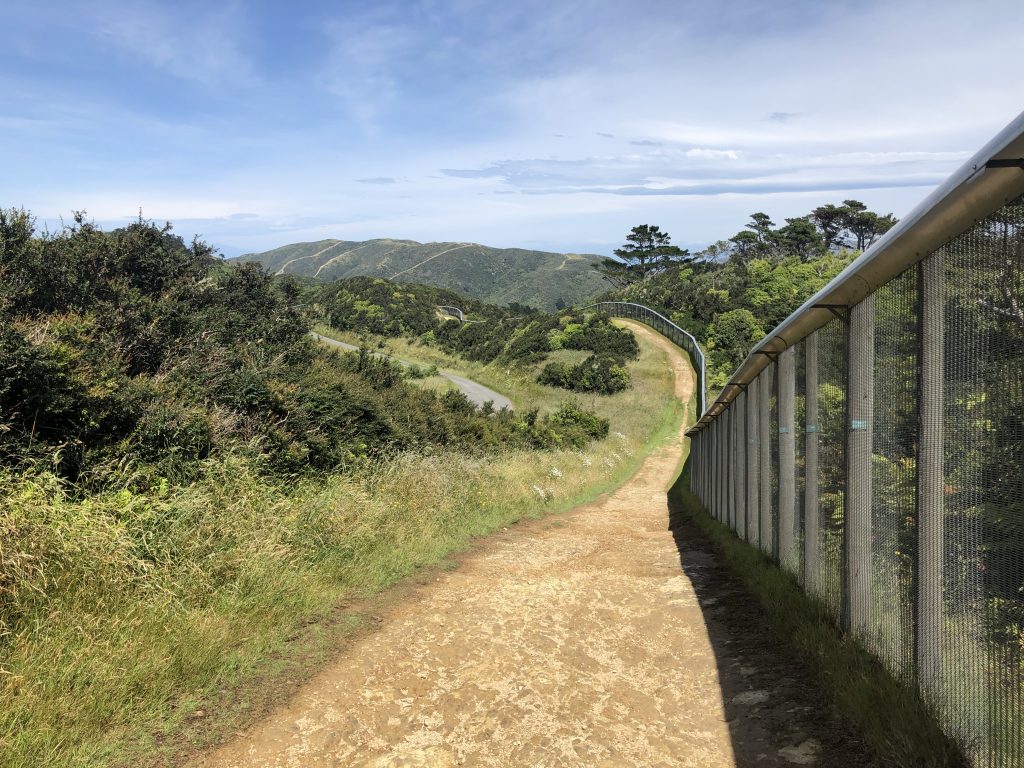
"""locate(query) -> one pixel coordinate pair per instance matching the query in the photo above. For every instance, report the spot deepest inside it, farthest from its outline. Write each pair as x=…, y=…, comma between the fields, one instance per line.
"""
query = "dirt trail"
x=577, y=640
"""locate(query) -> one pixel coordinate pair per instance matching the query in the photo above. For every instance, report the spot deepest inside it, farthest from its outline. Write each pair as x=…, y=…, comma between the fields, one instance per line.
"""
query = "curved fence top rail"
x=453, y=311
x=686, y=340
x=993, y=177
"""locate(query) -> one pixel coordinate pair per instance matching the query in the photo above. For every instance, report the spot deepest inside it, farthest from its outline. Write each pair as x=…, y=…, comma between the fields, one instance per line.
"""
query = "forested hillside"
x=494, y=275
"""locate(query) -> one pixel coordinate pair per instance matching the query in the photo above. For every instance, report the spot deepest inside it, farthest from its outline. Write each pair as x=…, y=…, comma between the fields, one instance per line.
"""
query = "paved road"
x=600, y=638
x=477, y=393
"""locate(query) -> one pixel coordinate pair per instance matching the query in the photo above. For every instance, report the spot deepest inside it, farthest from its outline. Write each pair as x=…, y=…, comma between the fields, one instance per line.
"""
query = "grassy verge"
x=889, y=714
x=137, y=612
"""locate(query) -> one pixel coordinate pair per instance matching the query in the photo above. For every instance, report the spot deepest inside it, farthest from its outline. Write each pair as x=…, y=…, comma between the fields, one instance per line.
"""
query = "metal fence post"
x=705, y=461
x=739, y=462
x=764, y=428
x=787, y=460
x=697, y=475
x=811, y=464
x=723, y=484
x=710, y=430
x=701, y=439
x=738, y=450
x=753, y=526
x=930, y=472
x=719, y=474
x=728, y=468
x=857, y=518
x=715, y=495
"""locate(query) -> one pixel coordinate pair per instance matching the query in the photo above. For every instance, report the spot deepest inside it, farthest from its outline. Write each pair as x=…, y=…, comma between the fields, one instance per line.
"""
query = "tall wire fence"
x=666, y=328
x=874, y=446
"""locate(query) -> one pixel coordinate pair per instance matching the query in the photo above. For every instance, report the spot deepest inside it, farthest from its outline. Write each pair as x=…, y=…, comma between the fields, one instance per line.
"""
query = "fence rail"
x=453, y=312
x=873, y=444
x=666, y=328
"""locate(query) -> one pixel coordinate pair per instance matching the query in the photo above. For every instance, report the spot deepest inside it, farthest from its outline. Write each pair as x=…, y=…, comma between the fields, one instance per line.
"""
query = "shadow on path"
x=776, y=714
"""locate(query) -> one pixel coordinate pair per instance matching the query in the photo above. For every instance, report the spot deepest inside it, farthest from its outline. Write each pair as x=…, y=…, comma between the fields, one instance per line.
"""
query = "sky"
x=554, y=125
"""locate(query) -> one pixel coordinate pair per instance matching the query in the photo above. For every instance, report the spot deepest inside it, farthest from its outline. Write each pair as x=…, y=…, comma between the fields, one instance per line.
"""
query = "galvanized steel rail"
x=666, y=328
x=453, y=312
x=873, y=444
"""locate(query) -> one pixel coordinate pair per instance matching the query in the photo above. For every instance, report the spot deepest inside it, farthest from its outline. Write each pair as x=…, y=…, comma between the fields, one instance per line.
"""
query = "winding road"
x=477, y=393
x=609, y=636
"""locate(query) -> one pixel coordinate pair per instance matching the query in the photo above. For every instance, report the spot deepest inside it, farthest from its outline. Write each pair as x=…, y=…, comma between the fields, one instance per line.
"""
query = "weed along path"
x=574, y=640
x=477, y=393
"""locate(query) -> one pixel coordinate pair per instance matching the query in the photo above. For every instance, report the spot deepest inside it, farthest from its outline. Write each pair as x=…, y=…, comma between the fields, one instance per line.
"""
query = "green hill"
x=494, y=275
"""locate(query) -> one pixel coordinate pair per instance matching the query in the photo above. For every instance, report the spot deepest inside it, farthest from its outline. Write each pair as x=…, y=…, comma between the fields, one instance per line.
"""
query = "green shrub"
x=601, y=374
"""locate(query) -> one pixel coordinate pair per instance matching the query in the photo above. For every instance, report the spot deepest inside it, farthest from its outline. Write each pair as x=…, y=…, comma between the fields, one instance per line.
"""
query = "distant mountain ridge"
x=494, y=275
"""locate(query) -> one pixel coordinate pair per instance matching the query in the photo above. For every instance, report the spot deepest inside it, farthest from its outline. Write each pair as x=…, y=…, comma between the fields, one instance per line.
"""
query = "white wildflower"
x=540, y=492
x=555, y=472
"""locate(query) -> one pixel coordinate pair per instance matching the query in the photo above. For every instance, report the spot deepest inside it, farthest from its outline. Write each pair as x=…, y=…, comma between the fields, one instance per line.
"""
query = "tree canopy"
x=647, y=250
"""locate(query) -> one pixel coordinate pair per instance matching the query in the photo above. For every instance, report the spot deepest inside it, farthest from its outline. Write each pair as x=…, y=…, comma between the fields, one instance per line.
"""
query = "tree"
x=830, y=220
x=745, y=246
x=729, y=338
x=865, y=226
x=800, y=238
x=649, y=250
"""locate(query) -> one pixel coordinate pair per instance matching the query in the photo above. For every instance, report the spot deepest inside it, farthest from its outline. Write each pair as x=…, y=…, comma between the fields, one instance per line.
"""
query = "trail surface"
x=477, y=393
x=577, y=640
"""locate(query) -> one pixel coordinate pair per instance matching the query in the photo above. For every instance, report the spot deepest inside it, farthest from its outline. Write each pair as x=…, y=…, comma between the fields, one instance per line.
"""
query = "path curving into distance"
x=597, y=638
x=477, y=393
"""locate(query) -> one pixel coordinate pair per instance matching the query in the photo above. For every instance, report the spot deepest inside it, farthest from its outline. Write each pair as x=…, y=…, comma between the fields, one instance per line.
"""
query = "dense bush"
x=511, y=335
x=129, y=356
x=598, y=373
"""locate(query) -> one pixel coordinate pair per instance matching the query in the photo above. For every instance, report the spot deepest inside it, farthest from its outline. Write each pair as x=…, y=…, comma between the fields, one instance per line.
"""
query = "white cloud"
x=713, y=154
x=201, y=47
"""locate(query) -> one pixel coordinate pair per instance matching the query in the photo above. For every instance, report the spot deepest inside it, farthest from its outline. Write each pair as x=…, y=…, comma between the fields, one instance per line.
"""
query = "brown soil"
x=597, y=638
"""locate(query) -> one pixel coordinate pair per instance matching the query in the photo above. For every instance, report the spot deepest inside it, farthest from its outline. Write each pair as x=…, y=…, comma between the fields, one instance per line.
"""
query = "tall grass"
x=122, y=614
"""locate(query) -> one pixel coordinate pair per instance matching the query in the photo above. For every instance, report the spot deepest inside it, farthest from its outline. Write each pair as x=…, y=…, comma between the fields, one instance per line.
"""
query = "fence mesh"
x=772, y=546
x=908, y=508
x=894, y=442
x=766, y=394
x=741, y=465
x=984, y=455
x=800, y=467
x=753, y=530
x=832, y=343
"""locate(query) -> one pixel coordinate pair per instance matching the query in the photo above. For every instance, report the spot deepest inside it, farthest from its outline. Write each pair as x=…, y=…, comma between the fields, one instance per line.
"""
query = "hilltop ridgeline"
x=494, y=275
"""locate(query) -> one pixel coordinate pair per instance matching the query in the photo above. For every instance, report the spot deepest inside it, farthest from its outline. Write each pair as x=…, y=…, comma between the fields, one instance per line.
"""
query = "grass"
x=133, y=617
x=888, y=713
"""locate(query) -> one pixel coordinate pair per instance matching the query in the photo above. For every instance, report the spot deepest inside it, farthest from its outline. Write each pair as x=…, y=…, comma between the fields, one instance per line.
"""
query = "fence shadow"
x=775, y=712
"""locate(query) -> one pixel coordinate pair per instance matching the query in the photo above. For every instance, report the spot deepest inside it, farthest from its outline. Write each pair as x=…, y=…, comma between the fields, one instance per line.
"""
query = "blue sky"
x=555, y=125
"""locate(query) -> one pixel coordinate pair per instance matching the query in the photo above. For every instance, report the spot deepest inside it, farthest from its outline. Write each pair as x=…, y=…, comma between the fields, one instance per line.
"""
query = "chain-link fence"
x=876, y=451
x=666, y=328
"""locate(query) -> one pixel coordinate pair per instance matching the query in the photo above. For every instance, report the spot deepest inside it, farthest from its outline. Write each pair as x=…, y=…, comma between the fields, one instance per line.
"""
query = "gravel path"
x=596, y=638
x=478, y=394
